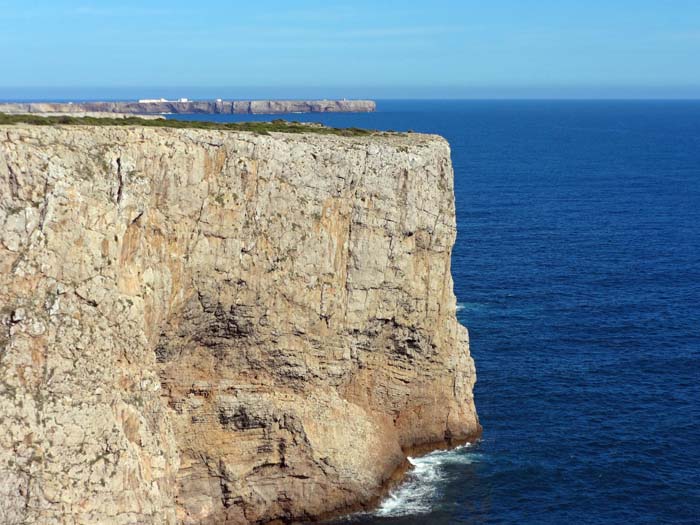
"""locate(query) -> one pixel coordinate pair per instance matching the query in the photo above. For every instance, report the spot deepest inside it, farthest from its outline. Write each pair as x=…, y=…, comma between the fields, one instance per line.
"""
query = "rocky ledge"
x=206, y=326
x=194, y=106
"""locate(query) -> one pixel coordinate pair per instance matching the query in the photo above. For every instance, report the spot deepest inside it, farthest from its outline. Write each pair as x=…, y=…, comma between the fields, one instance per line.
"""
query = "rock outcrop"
x=221, y=327
x=270, y=107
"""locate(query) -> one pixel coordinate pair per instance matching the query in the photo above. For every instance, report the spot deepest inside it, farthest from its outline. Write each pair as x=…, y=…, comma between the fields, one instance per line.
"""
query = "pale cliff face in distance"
x=204, y=326
x=150, y=107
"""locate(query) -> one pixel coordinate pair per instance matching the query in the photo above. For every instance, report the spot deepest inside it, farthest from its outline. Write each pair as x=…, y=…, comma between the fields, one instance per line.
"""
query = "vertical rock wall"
x=217, y=327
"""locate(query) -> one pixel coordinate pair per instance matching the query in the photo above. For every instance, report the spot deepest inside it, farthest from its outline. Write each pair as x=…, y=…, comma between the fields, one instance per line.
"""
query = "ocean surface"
x=577, y=271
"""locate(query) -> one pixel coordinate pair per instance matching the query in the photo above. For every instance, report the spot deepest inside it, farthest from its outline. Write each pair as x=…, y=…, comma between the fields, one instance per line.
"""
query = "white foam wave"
x=471, y=307
x=420, y=491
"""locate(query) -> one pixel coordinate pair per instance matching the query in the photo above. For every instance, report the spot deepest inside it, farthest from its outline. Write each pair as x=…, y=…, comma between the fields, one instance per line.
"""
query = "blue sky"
x=381, y=48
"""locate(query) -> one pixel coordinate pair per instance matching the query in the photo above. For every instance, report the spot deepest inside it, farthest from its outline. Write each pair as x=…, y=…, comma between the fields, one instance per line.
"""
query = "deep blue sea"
x=577, y=271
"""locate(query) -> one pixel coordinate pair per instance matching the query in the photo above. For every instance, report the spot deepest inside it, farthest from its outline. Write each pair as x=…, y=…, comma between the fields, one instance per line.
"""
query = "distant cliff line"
x=223, y=107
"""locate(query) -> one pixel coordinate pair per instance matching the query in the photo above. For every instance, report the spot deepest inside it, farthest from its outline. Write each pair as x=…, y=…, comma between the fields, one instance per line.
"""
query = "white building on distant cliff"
x=157, y=100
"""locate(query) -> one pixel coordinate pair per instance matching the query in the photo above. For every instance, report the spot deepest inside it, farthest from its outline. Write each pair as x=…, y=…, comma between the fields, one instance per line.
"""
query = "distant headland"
x=183, y=105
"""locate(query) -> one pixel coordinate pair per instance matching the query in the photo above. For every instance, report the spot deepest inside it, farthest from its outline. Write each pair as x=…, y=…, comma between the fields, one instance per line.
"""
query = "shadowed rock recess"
x=221, y=327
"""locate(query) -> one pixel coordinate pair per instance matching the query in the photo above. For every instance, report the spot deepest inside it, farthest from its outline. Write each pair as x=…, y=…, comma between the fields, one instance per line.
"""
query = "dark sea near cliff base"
x=577, y=271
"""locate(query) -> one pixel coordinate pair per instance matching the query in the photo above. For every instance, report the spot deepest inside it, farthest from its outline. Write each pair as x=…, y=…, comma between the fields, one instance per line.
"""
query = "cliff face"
x=217, y=327
x=196, y=106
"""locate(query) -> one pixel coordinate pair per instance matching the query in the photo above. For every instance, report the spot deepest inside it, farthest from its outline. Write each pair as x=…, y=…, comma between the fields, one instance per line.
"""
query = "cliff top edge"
x=258, y=128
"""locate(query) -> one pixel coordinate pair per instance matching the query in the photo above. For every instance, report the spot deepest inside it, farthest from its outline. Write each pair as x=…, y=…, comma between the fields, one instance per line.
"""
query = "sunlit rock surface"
x=221, y=327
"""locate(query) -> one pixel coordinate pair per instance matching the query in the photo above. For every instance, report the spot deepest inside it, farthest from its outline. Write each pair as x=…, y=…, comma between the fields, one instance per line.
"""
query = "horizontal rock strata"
x=221, y=327
x=195, y=106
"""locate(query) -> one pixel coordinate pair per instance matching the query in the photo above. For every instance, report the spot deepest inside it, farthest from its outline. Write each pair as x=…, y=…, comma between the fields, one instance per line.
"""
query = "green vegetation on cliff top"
x=264, y=128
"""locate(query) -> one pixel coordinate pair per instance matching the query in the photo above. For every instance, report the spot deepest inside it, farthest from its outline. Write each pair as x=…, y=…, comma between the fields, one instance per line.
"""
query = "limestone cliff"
x=221, y=327
x=269, y=107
